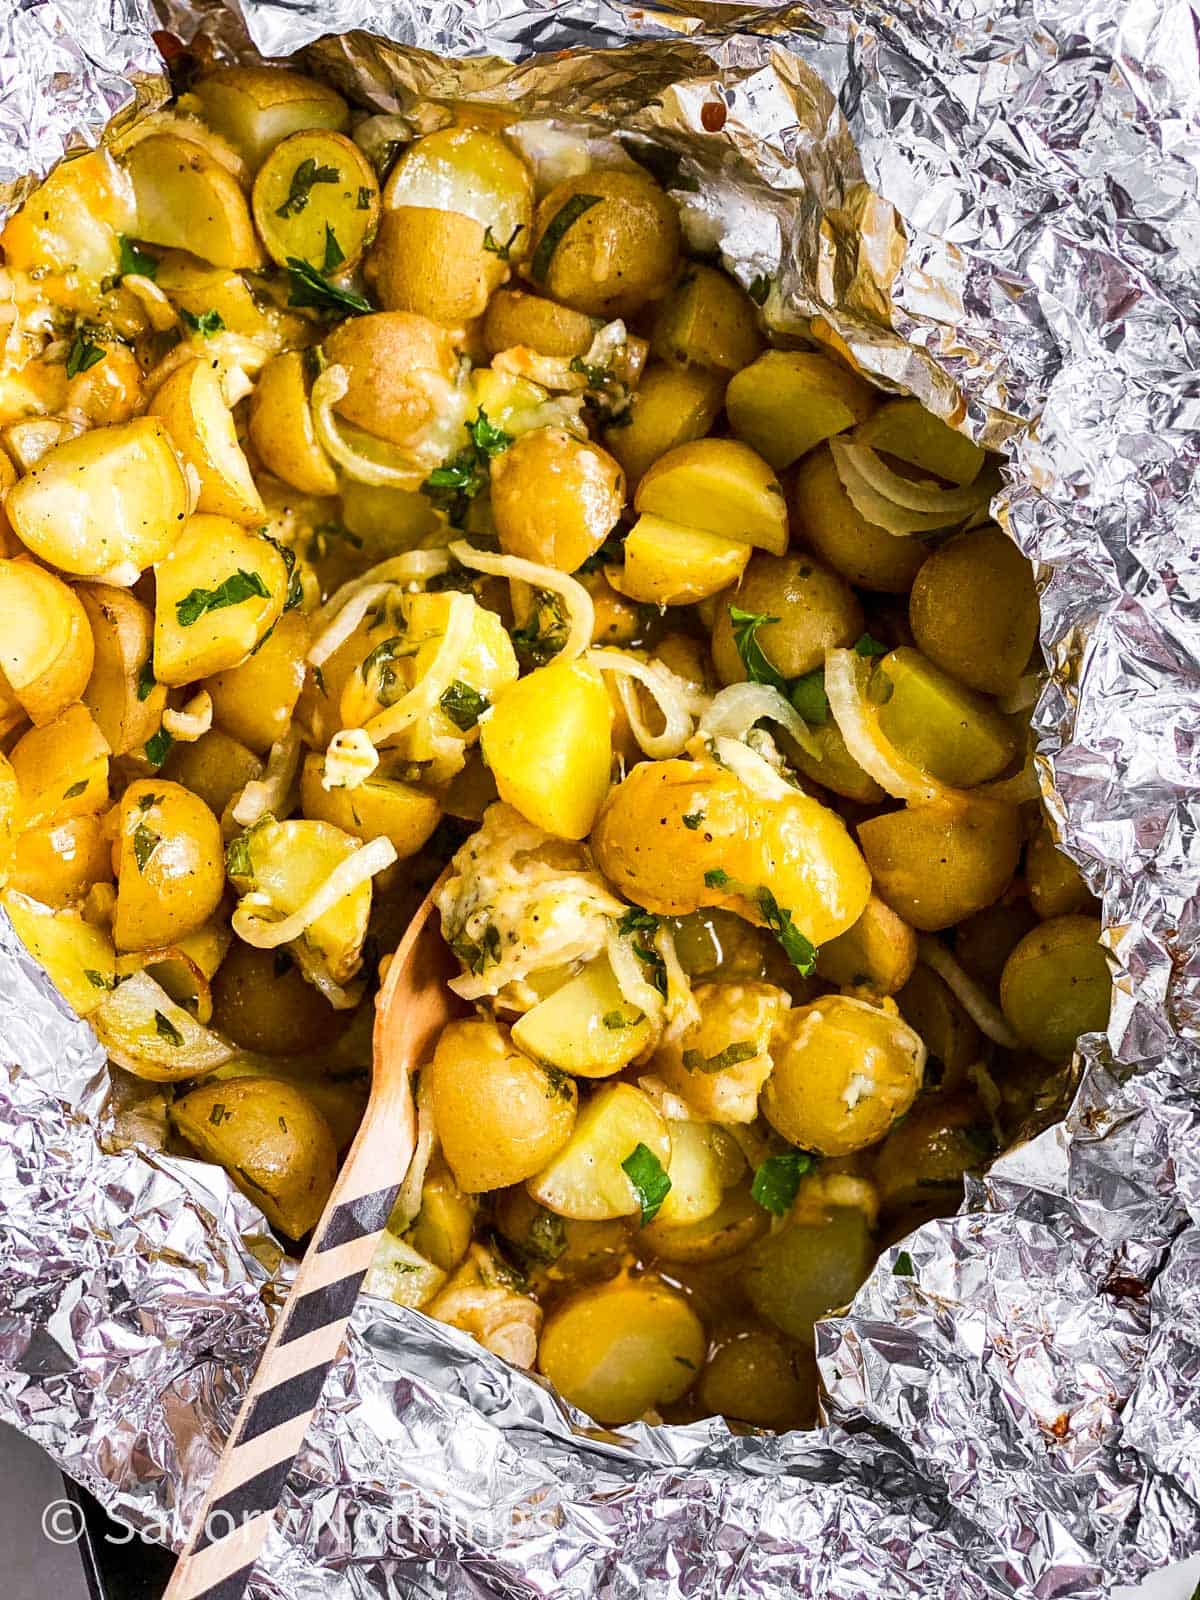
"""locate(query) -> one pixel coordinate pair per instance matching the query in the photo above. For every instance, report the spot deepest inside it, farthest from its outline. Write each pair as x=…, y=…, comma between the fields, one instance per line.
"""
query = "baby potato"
x=1056, y=886
x=618, y=1350
x=120, y=693
x=217, y=594
x=789, y=401
x=515, y=318
x=936, y=864
x=974, y=610
x=585, y=1027
x=256, y=107
x=74, y=953
x=62, y=768
x=758, y=1378
x=605, y=242
x=586, y=1179
x=254, y=701
x=104, y=505
x=548, y=743
x=191, y=406
x=57, y=864
x=111, y=390
x=923, y=1160
x=196, y=287
x=984, y=942
x=844, y=1072
x=951, y=1039
x=69, y=227
x=401, y=370
x=811, y=610
x=262, y=1003
x=736, y=1223
x=378, y=808
x=719, y=486
x=46, y=649
x=186, y=199
x=270, y=1138
x=906, y=430
x=833, y=766
x=214, y=767
x=826, y=518
x=671, y=406
x=555, y=498
x=879, y=952
x=500, y=1117
x=618, y=620
x=809, y=1268
x=169, y=862
x=434, y=263
x=315, y=199
x=719, y=1064
x=471, y=171
x=802, y=853
x=706, y=320
x=1056, y=985
x=667, y=564
x=936, y=724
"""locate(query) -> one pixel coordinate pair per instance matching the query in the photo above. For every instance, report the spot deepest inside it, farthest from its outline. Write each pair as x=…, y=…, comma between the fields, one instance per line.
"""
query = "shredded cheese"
x=192, y=721
x=350, y=759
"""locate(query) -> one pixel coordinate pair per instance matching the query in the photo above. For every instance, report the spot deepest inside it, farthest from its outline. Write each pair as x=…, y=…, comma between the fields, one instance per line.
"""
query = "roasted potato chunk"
x=217, y=594
x=555, y=498
x=255, y=107
x=46, y=648
x=169, y=862
x=935, y=865
x=187, y=200
x=315, y=199
x=121, y=692
x=974, y=610
x=605, y=243
x=191, y=405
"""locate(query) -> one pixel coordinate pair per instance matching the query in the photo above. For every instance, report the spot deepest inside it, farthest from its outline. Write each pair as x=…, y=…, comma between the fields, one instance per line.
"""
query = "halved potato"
x=78, y=956
x=62, y=769
x=788, y=401
x=471, y=171
x=378, y=808
x=719, y=486
x=104, y=505
x=315, y=199
x=256, y=107
x=516, y=318
x=668, y=564
x=587, y=1179
x=585, y=1027
x=192, y=406
x=121, y=693
x=217, y=594
x=254, y=701
x=45, y=642
x=706, y=320
x=671, y=406
x=69, y=226
x=281, y=427
x=187, y=200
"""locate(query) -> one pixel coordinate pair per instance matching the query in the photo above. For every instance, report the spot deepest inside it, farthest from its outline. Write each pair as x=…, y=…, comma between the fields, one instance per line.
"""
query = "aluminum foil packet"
x=996, y=206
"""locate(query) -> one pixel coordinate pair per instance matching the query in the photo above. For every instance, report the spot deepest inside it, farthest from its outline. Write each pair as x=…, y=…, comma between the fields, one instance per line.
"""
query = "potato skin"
x=281, y=427
x=261, y=1002
x=555, y=498
x=817, y=611
x=974, y=610
x=399, y=366
x=433, y=263
x=122, y=631
x=824, y=516
x=935, y=865
x=517, y=318
x=671, y=406
x=253, y=702
x=46, y=647
x=1056, y=985
x=177, y=883
x=617, y=254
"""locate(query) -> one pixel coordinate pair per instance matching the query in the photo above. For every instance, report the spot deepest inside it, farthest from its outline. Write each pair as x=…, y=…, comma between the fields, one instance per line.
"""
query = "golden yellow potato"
x=271, y=1139
x=720, y=1063
x=922, y=1161
x=720, y=486
x=844, y=1072
x=788, y=401
x=555, y=498
x=1056, y=886
x=585, y=1026
x=341, y=1100
x=121, y=693
x=69, y=227
x=1056, y=985
x=444, y=1225
x=57, y=864
x=111, y=390
x=78, y=956
x=191, y=406
x=401, y=370
x=736, y=1223
x=500, y=1116
x=904, y=429
x=930, y=1008
x=169, y=862
x=214, y=767
x=315, y=199
x=434, y=263
x=473, y=171
x=254, y=701
x=825, y=517
x=217, y=594
x=255, y=107
x=879, y=952
x=197, y=288
x=515, y=318
x=618, y=1350
x=548, y=743
x=833, y=766
x=813, y=610
x=187, y=200
x=46, y=649
x=758, y=1378
x=378, y=808
x=936, y=864
x=104, y=505
x=605, y=243
x=668, y=564
x=936, y=724
x=587, y=1179
x=706, y=320
x=62, y=768
x=974, y=610
x=809, y=1268
x=671, y=406
x=262, y=1003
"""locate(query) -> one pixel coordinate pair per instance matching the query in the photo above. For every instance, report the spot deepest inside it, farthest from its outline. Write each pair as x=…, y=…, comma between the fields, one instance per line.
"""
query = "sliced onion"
x=682, y=1009
x=346, y=607
x=906, y=430
x=408, y=1201
x=446, y=666
x=348, y=875
x=988, y=1018
x=144, y=1031
x=636, y=989
x=672, y=695
x=735, y=710
x=192, y=721
x=581, y=614
x=949, y=504
x=752, y=770
x=355, y=458
x=139, y=960
x=270, y=792
x=876, y=507
x=846, y=675
x=160, y=313
x=342, y=997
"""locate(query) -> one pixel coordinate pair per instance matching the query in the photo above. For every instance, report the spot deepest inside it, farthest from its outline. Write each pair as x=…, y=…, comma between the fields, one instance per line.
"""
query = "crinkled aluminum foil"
x=996, y=205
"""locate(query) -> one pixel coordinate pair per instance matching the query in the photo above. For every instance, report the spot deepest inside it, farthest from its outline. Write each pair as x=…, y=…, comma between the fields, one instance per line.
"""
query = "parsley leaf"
x=462, y=478
x=650, y=1182
x=902, y=1267
x=334, y=254
x=145, y=843
x=146, y=679
x=463, y=705
x=731, y=1056
x=295, y=588
x=135, y=262
x=310, y=288
x=617, y=1021
x=636, y=920
x=801, y=952
x=493, y=245
x=476, y=955
x=777, y=1180
x=98, y=980
x=565, y=217
x=745, y=637
x=83, y=354
x=166, y=1029
x=239, y=586
x=75, y=789
x=237, y=856
x=692, y=819
x=866, y=646
x=759, y=288
x=716, y=877
x=158, y=747
x=662, y=164
x=305, y=175
x=488, y=440
x=206, y=324
x=809, y=698
x=364, y=198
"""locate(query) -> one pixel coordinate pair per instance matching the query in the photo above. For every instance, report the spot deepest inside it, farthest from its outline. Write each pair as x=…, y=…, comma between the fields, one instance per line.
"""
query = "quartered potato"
x=121, y=692
x=187, y=200
x=668, y=564
x=473, y=173
x=826, y=519
x=201, y=290
x=811, y=1267
x=62, y=768
x=938, y=725
x=587, y=1179
x=255, y=107
x=262, y=1003
x=789, y=401
x=1056, y=886
x=759, y=1378
x=953, y=1041
x=170, y=864
x=58, y=863
x=878, y=952
x=315, y=199
x=555, y=498
x=254, y=701
x=191, y=406
x=281, y=427
x=719, y=486
x=214, y=767
x=706, y=320
x=378, y=807
x=585, y=1027
x=46, y=649
x=78, y=956
x=671, y=406
x=807, y=610
x=922, y=1161
x=515, y=318
x=216, y=595
x=936, y=864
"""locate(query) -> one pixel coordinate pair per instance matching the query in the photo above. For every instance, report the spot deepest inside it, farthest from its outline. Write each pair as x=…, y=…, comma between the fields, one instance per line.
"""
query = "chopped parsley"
x=237, y=857
x=777, y=1180
x=902, y=1267
x=866, y=646
x=239, y=586
x=310, y=288
x=801, y=952
x=745, y=637
x=617, y=1021
x=158, y=747
x=462, y=478
x=98, y=979
x=364, y=198
x=477, y=955
x=75, y=790
x=334, y=254
x=650, y=1182
x=145, y=843
x=544, y=634
x=146, y=679
x=305, y=175
x=166, y=1029
x=463, y=705
x=545, y=1240
x=135, y=263
x=662, y=164
x=295, y=587
x=693, y=819
x=731, y=1056
x=636, y=920
x=759, y=288
x=493, y=245
x=716, y=877
x=206, y=324
x=809, y=697
x=382, y=661
x=611, y=552
x=83, y=354
x=567, y=215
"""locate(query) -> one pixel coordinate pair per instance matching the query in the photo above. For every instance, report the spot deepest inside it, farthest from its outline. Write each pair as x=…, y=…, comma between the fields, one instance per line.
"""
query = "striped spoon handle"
x=239, y=1507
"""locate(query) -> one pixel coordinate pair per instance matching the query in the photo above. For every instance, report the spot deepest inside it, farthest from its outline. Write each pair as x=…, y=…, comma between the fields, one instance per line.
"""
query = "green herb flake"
x=218, y=1114
x=145, y=801
x=731, y=1056
x=75, y=789
x=801, y=952
x=493, y=245
x=477, y=955
x=237, y=857
x=145, y=843
x=319, y=680
x=561, y=1083
x=206, y=324
x=617, y=1021
x=146, y=679
x=488, y=440
x=135, y=263
x=166, y=1029
x=295, y=585
x=567, y=215
x=716, y=877
x=158, y=747
x=745, y=637
x=305, y=175
x=809, y=697
x=98, y=980
x=662, y=164
x=334, y=254
x=759, y=288
x=693, y=819
x=777, y=1180
x=546, y=1239
x=636, y=920
x=364, y=198
x=239, y=586
x=83, y=354
x=310, y=288
x=902, y=1267
x=649, y=1179
x=463, y=705
x=866, y=646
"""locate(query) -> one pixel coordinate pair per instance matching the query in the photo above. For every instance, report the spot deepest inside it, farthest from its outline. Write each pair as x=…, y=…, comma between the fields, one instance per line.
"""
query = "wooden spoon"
x=232, y=1524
